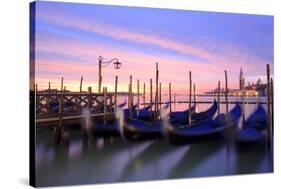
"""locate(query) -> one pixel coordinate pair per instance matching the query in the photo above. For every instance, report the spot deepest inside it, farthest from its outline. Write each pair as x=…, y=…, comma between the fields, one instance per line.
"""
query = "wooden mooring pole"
x=226, y=94
x=219, y=92
x=243, y=100
x=89, y=98
x=81, y=84
x=49, y=95
x=144, y=95
x=131, y=98
x=194, y=96
x=268, y=101
x=190, y=93
x=104, y=105
x=151, y=94
x=160, y=95
x=175, y=100
x=170, y=97
x=138, y=97
x=59, y=129
x=115, y=93
x=156, y=94
x=272, y=108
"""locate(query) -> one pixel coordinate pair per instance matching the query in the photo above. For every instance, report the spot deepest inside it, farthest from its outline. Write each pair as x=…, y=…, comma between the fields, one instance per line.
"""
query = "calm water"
x=99, y=160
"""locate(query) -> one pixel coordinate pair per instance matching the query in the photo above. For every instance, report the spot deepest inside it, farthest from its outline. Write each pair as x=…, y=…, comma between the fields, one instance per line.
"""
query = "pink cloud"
x=227, y=51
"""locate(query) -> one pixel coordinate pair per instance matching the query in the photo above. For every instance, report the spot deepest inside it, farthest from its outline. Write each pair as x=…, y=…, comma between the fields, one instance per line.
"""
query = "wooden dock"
x=51, y=107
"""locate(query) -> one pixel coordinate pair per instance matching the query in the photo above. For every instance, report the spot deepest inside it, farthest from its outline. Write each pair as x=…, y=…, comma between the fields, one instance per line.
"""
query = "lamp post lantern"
x=117, y=65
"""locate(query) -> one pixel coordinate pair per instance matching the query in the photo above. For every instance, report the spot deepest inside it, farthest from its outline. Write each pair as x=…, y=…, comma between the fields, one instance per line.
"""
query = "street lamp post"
x=117, y=65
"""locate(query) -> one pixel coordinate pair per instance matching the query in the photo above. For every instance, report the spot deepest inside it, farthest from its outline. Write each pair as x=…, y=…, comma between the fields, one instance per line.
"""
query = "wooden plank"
x=79, y=116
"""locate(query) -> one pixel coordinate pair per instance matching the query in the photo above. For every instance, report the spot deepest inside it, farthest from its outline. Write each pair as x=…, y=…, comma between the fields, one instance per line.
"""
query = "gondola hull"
x=253, y=132
x=218, y=128
x=107, y=130
x=137, y=130
x=176, y=137
x=181, y=118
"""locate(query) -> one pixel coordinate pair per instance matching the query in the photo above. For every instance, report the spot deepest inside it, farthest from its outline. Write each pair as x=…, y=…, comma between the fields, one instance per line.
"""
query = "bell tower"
x=241, y=79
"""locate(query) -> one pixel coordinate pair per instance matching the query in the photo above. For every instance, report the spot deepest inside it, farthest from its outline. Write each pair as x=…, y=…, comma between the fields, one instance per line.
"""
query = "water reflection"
x=197, y=154
x=100, y=160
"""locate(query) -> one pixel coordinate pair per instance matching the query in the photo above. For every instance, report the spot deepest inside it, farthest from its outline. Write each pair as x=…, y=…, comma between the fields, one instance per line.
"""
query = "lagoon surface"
x=106, y=160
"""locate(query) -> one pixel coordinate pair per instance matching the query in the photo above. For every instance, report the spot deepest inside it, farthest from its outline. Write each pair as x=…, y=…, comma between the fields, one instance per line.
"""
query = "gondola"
x=196, y=118
x=140, y=130
x=110, y=108
x=136, y=130
x=148, y=115
x=253, y=130
x=214, y=129
x=112, y=128
x=176, y=117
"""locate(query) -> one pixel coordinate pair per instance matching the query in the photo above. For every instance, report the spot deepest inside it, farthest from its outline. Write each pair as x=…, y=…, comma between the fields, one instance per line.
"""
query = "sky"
x=70, y=37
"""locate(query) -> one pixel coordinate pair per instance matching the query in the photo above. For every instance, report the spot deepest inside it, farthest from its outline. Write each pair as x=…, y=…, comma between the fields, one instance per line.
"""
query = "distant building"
x=254, y=89
x=241, y=81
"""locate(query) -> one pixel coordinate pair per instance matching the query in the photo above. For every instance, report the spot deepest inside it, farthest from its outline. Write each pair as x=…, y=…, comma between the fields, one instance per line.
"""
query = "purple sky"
x=71, y=36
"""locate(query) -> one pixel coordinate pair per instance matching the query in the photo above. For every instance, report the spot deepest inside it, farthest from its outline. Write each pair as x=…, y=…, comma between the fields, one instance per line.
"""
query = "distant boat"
x=253, y=130
x=213, y=129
